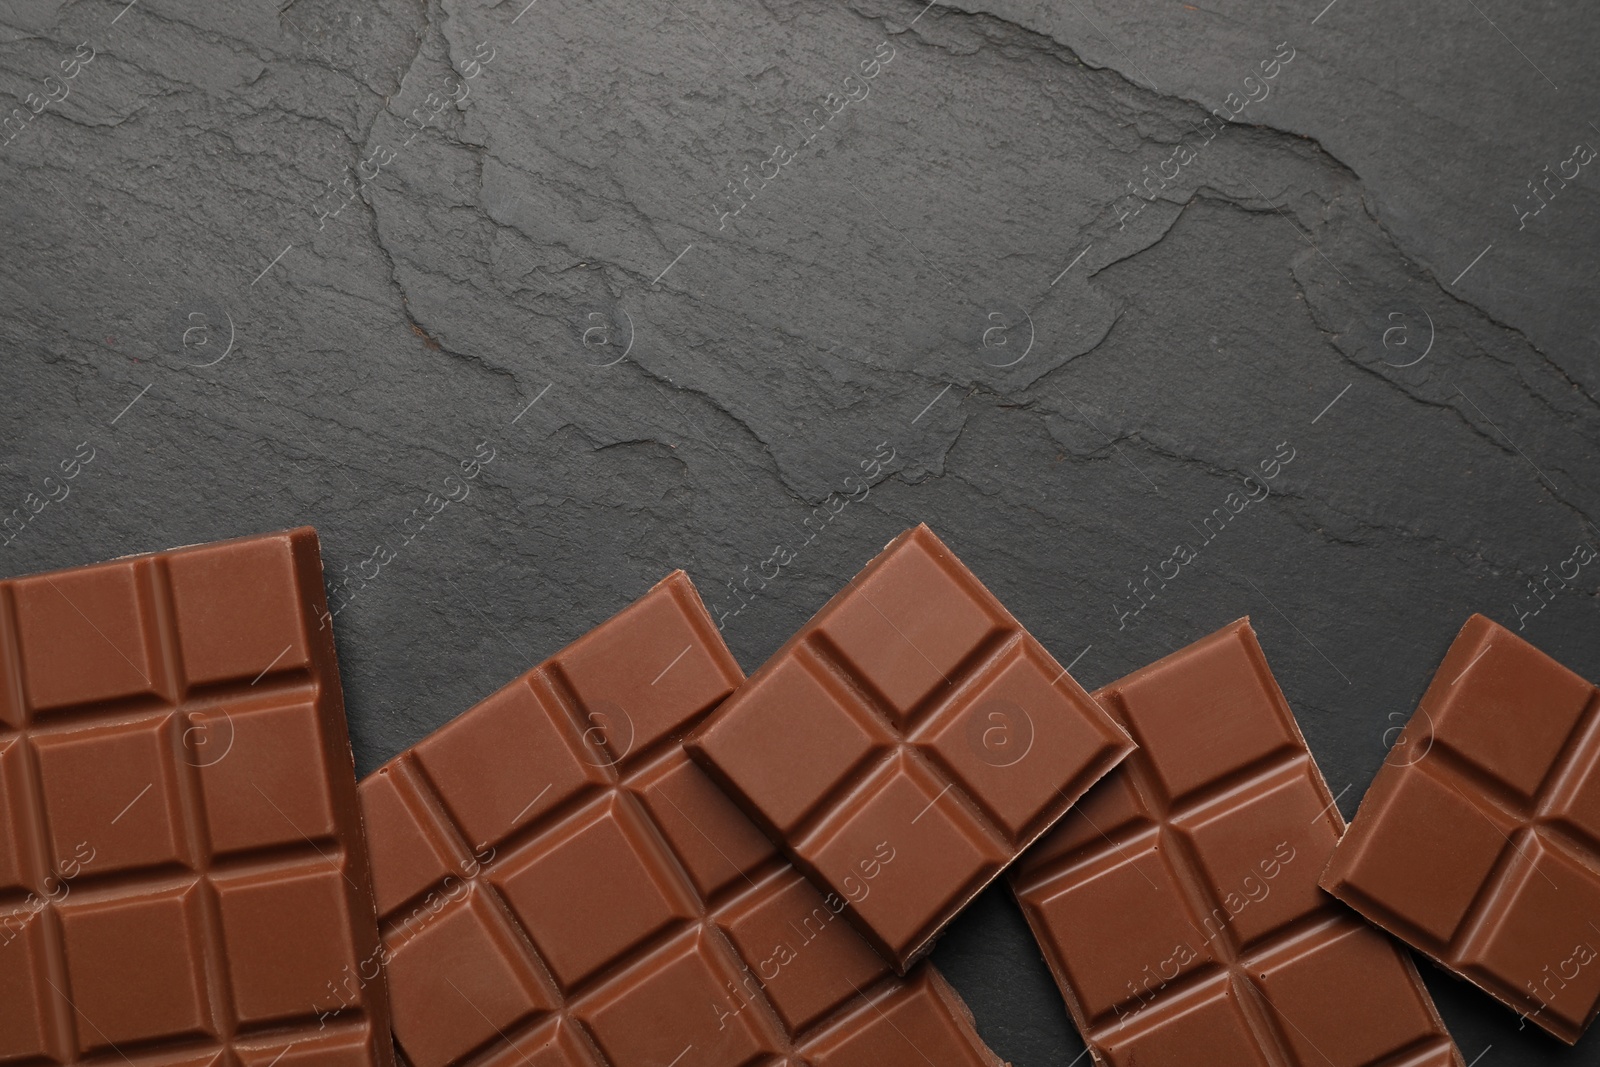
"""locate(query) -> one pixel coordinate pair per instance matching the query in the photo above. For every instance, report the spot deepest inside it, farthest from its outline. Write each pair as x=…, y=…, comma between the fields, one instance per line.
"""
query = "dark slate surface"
x=229, y=276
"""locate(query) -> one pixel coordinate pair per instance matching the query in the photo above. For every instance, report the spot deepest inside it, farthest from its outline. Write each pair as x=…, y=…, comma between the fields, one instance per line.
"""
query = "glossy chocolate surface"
x=908, y=743
x=1479, y=841
x=561, y=885
x=182, y=873
x=1178, y=906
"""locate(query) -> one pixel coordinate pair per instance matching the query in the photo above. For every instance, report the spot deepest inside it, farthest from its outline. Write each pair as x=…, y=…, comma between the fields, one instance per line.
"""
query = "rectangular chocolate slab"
x=1178, y=905
x=562, y=887
x=1479, y=841
x=908, y=743
x=182, y=873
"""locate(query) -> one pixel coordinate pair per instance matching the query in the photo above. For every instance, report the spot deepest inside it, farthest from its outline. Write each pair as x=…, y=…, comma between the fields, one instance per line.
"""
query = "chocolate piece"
x=182, y=870
x=1479, y=841
x=1178, y=905
x=561, y=885
x=908, y=743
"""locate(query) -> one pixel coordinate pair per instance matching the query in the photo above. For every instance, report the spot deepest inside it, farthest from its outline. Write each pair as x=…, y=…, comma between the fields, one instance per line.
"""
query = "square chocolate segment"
x=1178, y=905
x=561, y=886
x=183, y=877
x=908, y=743
x=1479, y=841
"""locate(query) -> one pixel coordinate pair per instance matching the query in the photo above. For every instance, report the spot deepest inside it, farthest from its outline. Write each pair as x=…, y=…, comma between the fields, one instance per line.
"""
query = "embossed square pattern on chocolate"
x=1178, y=904
x=562, y=887
x=182, y=874
x=908, y=743
x=1479, y=841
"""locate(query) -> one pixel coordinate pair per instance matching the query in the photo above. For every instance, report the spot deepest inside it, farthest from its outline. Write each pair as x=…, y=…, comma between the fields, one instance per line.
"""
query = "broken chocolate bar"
x=562, y=887
x=1479, y=841
x=908, y=743
x=1178, y=905
x=182, y=872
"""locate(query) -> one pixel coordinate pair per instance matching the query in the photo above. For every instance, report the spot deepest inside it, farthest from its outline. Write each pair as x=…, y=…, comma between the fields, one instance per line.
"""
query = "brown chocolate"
x=561, y=885
x=182, y=872
x=1479, y=841
x=908, y=743
x=1178, y=905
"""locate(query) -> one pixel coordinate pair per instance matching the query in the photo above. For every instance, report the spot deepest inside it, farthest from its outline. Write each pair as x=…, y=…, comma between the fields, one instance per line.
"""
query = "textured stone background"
x=228, y=274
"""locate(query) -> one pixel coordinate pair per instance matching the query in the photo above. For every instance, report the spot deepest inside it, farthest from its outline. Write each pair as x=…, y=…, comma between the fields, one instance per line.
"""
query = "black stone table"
x=1159, y=313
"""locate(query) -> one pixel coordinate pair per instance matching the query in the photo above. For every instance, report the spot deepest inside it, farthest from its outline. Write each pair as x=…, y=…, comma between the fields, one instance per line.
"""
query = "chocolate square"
x=182, y=869
x=1479, y=841
x=912, y=718
x=561, y=885
x=1178, y=907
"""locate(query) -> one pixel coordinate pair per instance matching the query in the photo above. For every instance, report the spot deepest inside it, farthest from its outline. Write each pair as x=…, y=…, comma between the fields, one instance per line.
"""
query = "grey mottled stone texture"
x=904, y=274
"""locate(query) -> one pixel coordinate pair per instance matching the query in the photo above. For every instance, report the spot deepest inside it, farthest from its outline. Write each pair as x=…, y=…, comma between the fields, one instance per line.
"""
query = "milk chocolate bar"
x=561, y=886
x=1479, y=841
x=182, y=873
x=908, y=743
x=1178, y=905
